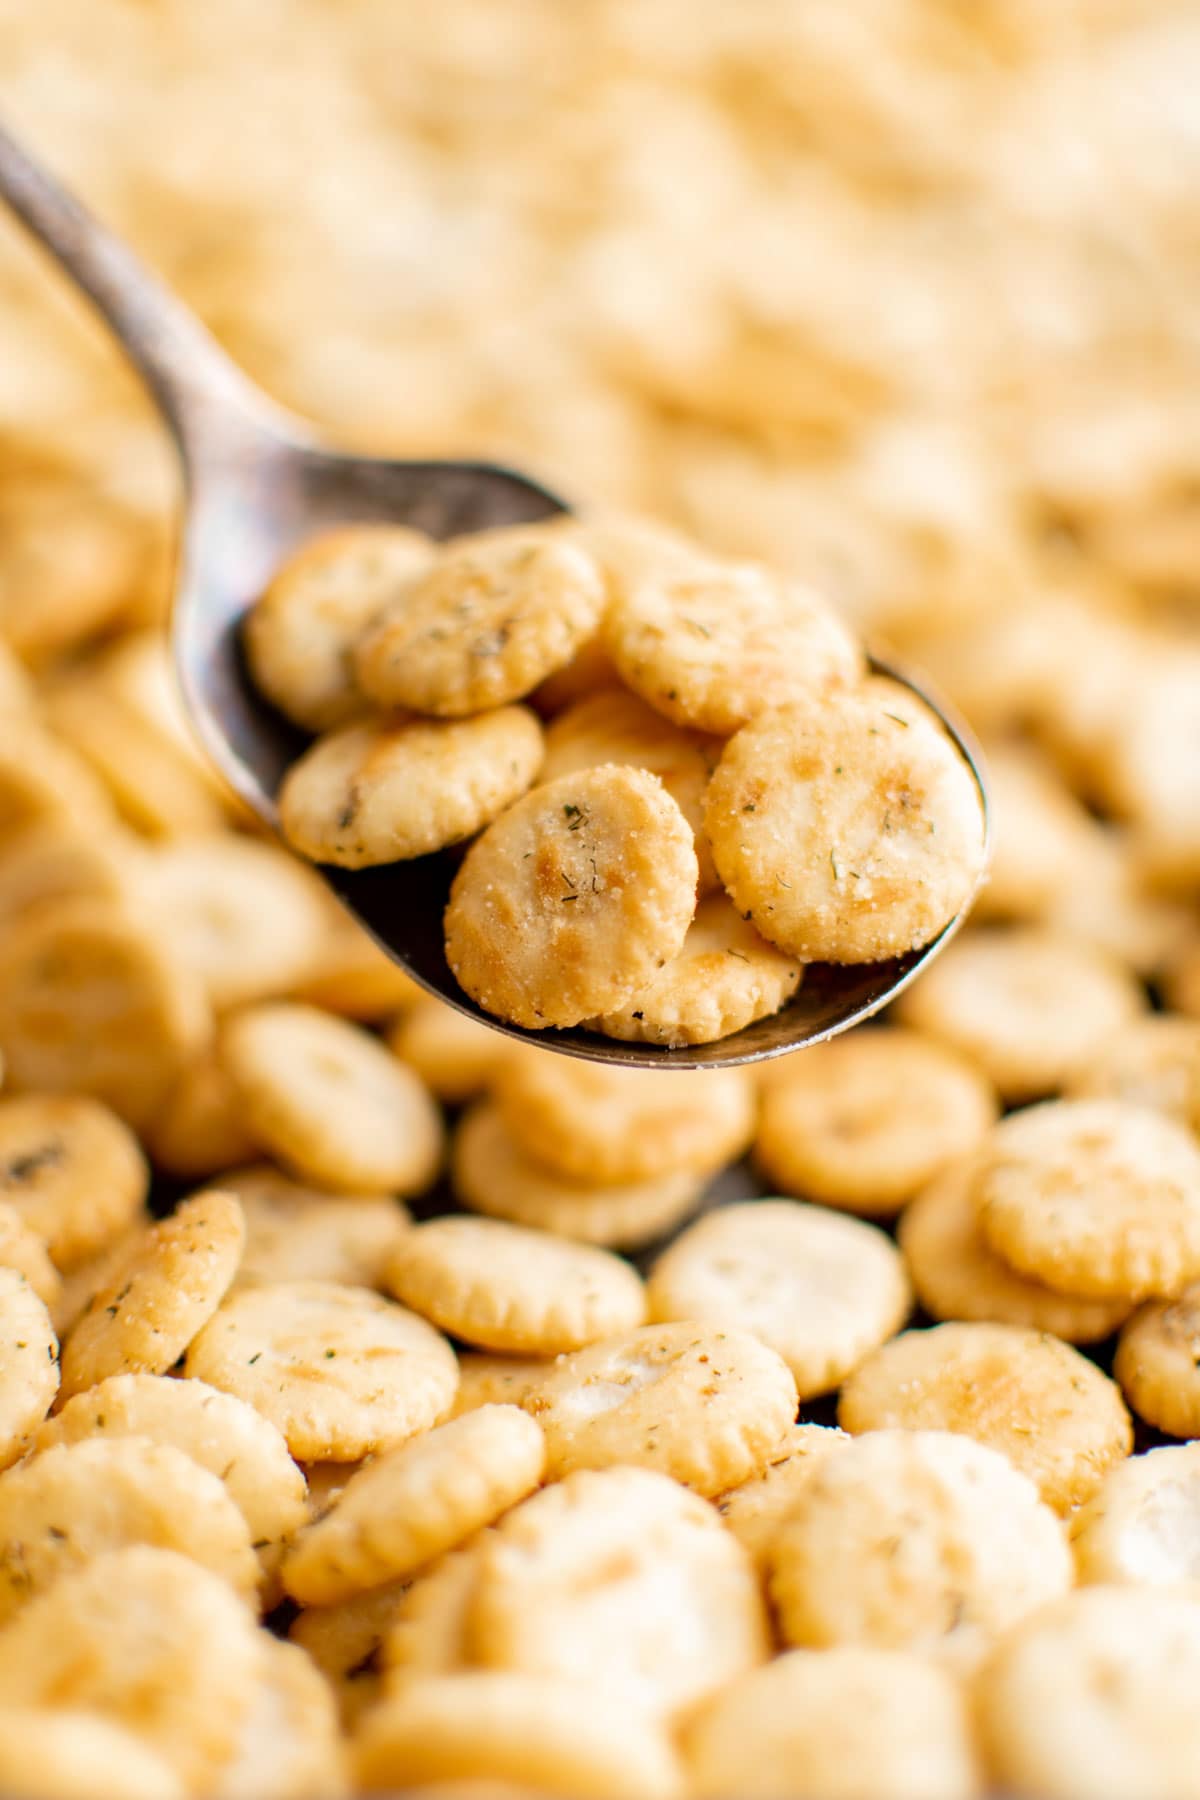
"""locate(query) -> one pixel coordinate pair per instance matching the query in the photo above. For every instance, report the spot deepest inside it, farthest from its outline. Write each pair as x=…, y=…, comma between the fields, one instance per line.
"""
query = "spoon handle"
x=198, y=389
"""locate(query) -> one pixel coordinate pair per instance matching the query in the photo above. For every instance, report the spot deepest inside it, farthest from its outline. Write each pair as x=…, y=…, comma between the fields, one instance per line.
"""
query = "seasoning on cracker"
x=724, y=978
x=381, y=791
x=484, y=1379
x=614, y=726
x=28, y=1365
x=1095, y=1197
x=70, y=1503
x=705, y=1405
x=709, y=645
x=755, y=1510
x=494, y=615
x=167, y=1286
x=957, y=1275
x=846, y=828
x=1050, y=1411
x=147, y=1639
x=218, y=1431
x=414, y=1503
x=300, y=636
x=573, y=899
x=340, y=1371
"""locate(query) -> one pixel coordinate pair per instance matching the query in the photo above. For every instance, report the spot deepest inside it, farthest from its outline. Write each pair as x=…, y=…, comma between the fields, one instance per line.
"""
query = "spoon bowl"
x=259, y=483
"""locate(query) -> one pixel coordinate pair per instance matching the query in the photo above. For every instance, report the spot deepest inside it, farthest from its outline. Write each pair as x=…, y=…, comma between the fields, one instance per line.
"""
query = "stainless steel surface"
x=258, y=482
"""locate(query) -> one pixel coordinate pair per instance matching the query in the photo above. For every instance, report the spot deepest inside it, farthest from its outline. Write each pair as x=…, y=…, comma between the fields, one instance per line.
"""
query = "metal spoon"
x=259, y=482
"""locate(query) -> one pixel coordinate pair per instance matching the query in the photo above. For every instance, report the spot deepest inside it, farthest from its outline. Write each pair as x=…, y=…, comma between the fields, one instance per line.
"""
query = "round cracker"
x=710, y=644
x=822, y=1290
x=756, y=1509
x=614, y=726
x=619, y=1578
x=1158, y=1363
x=1154, y=1062
x=344, y=1640
x=505, y=1287
x=218, y=1431
x=329, y=1101
x=300, y=636
x=725, y=977
x=866, y=1120
x=72, y=1502
x=28, y=1364
x=455, y=1056
x=496, y=613
x=85, y=1279
x=289, y=1747
x=382, y=791
x=1027, y=1005
x=149, y=1640
x=1096, y=1696
x=169, y=1284
x=1142, y=1525
x=494, y=1176
x=798, y=1726
x=1095, y=1197
x=58, y=859
x=67, y=1755
x=339, y=1371
x=72, y=1170
x=91, y=1003
x=428, y=1633
x=705, y=1406
x=1049, y=1410
x=354, y=978
x=957, y=1275
x=296, y=1233
x=505, y=1380
x=591, y=1122
x=848, y=829
x=555, y=1737
x=23, y=1250
x=43, y=781
x=415, y=1503
x=573, y=899
x=915, y=1540
x=242, y=915
x=199, y=1131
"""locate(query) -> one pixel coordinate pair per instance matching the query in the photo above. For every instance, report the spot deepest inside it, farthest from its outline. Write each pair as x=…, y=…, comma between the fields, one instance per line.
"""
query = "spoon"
x=259, y=482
